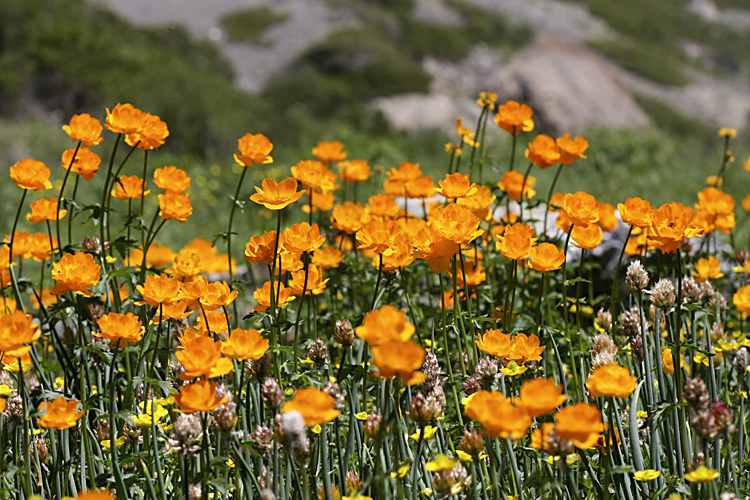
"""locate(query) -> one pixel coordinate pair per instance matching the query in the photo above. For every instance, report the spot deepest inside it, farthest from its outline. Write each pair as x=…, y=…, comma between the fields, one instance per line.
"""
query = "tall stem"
x=60, y=197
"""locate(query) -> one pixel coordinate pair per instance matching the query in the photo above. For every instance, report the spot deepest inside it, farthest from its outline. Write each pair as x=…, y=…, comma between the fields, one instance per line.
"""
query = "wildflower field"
x=460, y=337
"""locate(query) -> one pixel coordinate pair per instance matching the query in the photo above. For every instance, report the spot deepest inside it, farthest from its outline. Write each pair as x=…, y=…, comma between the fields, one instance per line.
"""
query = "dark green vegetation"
x=250, y=24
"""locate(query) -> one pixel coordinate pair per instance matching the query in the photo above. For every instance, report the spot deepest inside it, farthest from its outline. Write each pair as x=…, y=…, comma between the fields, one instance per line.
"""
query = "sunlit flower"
x=45, y=210
x=667, y=361
x=173, y=205
x=129, y=187
x=571, y=149
x=275, y=196
x=382, y=205
x=543, y=151
x=213, y=322
x=124, y=119
x=254, y=150
x=321, y=202
x=399, y=177
x=495, y=343
x=383, y=325
x=578, y=421
x=727, y=132
x=327, y=257
x=354, y=171
x=581, y=208
x=635, y=212
x=611, y=380
x=587, y=237
x=75, y=273
x=171, y=178
x=400, y=358
x=456, y=186
x=707, y=269
x=202, y=357
x=479, y=203
x=702, y=475
x=312, y=174
x=84, y=128
x=497, y=414
x=120, y=328
x=347, y=217
x=315, y=406
x=607, y=220
x=546, y=257
x=669, y=225
x=31, y=174
x=646, y=475
x=199, y=396
x=540, y=396
x=513, y=182
x=329, y=151
x=260, y=249
x=516, y=242
x=159, y=289
x=525, y=348
x=316, y=285
x=741, y=299
x=263, y=296
x=17, y=332
x=514, y=117
x=378, y=236
x=245, y=344
x=85, y=164
x=187, y=263
x=151, y=134
x=455, y=223
x=487, y=100
x=466, y=134
x=302, y=237
x=216, y=295
x=429, y=245
x=59, y=414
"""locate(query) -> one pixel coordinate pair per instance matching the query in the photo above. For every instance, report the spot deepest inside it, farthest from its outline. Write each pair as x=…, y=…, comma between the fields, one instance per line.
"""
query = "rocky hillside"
x=587, y=63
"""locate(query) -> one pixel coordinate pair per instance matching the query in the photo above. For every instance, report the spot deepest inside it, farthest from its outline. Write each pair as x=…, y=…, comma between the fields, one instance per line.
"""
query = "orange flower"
x=667, y=361
x=540, y=437
x=316, y=407
x=75, y=273
x=43, y=210
x=86, y=129
x=354, y=171
x=400, y=358
x=581, y=208
x=263, y=296
x=586, y=237
x=212, y=322
x=378, y=236
x=171, y=178
x=245, y=344
x=159, y=289
x=669, y=225
x=216, y=295
x=514, y=117
x=95, y=495
x=59, y=414
x=455, y=223
x=741, y=299
x=328, y=257
x=200, y=396
x=611, y=380
x=715, y=202
x=495, y=343
x=254, y=150
x=39, y=246
x=120, y=328
x=466, y=134
x=129, y=187
x=578, y=422
x=151, y=135
x=635, y=212
x=540, y=396
x=456, y=186
x=275, y=196
x=607, y=220
x=175, y=205
x=17, y=332
x=525, y=348
x=201, y=357
x=546, y=257
x=498, y=416
x=516, y=242
x=31, y=174
x=571, y=149
x=288, y=262
x=261, y=248
x=125, y=119
x=436, y=250
x=329, y=151
x=399, y=177
x=316, y=285
x=384, y=325
x=707, y=269
x=487, y=100
x=302, y=238
x=382, y=205
x=347, y=217
x=512, y=182
x=543, y=152
x=22, y=244
x=399, y=257
x=312, y=174
x=320, y=203
x=187, y=263
x=746, y=202
x=479, y=203
x=175, y=310
x=85, y=164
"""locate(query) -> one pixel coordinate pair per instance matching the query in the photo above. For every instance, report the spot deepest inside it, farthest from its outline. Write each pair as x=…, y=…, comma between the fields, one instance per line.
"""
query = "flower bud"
x=630, y=322
x=695, y=393
x=343, y=333
x=662, y=295
x=604, y=320
x=272, y=394
x=318, y=353
x=372, y=425
x=472, y=443
x=636, y=276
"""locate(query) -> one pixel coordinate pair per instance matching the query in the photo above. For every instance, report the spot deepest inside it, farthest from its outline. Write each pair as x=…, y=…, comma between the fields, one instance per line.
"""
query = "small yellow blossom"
x=513, y=369
x=317, y=429
x=441, y=463
x=362, y=415
x=429, y=431
x=118, y=442
x=727, y=132
x=702, y=475
x=646, y=475
x=401, y=471
x=641, y=414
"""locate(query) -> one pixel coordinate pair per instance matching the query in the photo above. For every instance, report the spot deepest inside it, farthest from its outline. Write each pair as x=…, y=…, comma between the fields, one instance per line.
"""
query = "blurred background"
x=647, y=83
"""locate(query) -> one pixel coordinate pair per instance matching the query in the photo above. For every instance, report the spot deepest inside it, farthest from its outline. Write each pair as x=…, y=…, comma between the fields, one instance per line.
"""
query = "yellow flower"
x=513, y=369
x=118, y=442
x=727, y=132
x=465, y=457
x=401, y=471
x=441, y=463
x=646, y=475
x=702, y=475
x=362, y=415
x=429, y=431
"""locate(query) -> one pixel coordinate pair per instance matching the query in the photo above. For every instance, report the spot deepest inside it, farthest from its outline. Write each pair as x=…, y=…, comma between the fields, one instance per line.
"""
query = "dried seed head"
x=334, y=390
x=451, y=482
x=695, y=393
x=263, y=439
x=636, y=345
x=636, y=276
x=630, y=322
x=740, y=361
x=225, y=416
x=431, y=369
x=373, y=424
x=272, y=394
x=186, y=435
x=422, y=410
x=472, y=443
x=318, y=353
x=41, y=448
x=343, y=333
x=604, y=320
x=604, y=351
x=662, y=295
x=691, y=291
x=472, y=384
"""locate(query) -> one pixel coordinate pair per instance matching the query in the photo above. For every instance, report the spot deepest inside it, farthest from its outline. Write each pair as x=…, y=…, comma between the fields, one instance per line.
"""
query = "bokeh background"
x=647, y=83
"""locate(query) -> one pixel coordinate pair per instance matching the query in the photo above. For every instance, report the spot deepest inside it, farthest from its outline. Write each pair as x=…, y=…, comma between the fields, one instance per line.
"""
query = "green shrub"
x=249, y=25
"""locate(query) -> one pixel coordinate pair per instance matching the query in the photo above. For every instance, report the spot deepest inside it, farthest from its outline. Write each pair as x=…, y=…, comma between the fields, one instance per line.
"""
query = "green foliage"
x=249, y=25
x=670, y=120
x=662, y=66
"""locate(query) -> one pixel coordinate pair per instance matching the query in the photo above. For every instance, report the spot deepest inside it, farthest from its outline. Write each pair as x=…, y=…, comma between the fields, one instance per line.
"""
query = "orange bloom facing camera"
x=254, y=150
x=400, y=358
x=45, y=210
x=120, y=328
x=86, y=129
x=578, y=422
x=59, y=414
x=611, y=380
x=316, y=407
x=31, y=174
x=546, y=257
x=75, y=273
x=635, y=212
x=514, y=117
x=200, y=396
x=276, y=196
